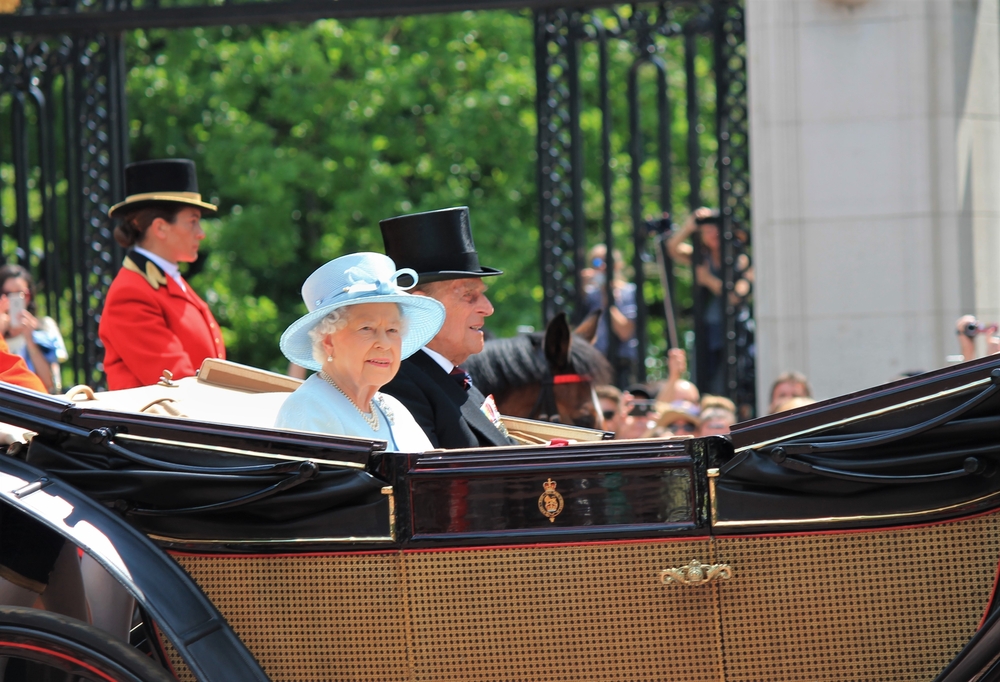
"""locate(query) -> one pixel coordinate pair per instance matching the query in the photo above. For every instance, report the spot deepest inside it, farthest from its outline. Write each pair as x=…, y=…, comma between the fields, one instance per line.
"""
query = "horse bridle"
x=545, y=407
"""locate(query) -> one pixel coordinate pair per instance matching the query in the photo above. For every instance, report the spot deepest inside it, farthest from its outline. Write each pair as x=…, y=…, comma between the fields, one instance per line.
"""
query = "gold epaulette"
x=152, y=274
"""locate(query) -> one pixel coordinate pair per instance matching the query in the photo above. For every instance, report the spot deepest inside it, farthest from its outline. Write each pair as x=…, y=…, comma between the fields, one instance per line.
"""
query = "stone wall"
x=875, y=156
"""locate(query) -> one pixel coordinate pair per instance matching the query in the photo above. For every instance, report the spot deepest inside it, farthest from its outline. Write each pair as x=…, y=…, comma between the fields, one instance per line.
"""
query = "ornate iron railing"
x=66, y=123
x=559, y=37
x=61, y=77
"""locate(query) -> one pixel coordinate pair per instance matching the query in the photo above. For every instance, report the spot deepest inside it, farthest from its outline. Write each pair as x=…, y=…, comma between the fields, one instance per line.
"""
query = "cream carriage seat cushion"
x=223, y=392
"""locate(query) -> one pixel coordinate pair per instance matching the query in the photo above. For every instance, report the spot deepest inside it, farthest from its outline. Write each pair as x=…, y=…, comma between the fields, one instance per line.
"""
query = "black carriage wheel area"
x=38, y=645
x=63, y=148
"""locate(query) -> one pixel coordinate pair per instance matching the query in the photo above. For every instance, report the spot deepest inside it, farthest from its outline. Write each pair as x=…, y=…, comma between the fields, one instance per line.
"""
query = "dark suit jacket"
x=449, y=415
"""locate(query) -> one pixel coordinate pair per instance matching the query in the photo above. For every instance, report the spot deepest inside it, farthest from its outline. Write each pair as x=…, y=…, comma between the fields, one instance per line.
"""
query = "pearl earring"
x=329, y=358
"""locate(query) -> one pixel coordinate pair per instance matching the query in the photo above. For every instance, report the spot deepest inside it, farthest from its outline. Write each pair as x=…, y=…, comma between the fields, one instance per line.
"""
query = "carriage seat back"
x=223, y=392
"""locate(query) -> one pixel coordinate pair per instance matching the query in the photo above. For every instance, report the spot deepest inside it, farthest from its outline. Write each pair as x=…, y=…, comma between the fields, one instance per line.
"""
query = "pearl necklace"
x=371, y=418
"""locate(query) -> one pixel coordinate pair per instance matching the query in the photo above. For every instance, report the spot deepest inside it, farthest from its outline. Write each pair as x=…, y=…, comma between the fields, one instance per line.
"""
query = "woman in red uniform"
x=152, y=319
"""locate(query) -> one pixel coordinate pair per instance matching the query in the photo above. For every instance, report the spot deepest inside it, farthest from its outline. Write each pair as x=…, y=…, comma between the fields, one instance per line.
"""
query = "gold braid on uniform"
x=152, y=274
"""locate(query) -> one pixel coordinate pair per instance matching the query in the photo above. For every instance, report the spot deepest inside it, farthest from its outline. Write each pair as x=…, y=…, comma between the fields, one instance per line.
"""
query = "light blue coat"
x=319, y=407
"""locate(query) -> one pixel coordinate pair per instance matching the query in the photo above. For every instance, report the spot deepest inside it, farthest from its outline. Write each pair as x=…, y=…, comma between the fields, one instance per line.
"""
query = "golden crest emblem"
x=550, y=503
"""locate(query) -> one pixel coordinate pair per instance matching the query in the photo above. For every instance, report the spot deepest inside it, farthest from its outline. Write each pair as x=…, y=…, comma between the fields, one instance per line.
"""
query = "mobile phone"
x=16, y=308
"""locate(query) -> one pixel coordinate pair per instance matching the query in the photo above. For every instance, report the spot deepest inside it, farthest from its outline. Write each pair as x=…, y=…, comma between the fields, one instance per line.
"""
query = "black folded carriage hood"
x=925, y=447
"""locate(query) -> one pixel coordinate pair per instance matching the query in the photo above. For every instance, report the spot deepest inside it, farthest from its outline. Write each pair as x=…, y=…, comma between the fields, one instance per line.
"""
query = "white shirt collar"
x=169, y=269
x=446, y=364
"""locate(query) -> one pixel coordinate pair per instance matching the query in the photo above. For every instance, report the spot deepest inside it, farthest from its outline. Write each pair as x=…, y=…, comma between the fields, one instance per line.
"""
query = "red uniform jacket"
x=13, y=370
x=150, y=324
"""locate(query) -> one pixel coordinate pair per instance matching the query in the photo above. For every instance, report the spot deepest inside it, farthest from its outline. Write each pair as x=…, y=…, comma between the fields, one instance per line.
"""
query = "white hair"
x=334, y=322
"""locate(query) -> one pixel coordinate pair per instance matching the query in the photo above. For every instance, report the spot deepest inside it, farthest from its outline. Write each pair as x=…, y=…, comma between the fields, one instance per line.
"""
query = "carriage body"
x=853, y=539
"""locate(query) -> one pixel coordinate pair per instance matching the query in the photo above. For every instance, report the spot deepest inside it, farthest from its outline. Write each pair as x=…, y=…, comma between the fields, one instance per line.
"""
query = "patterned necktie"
x=463, y=378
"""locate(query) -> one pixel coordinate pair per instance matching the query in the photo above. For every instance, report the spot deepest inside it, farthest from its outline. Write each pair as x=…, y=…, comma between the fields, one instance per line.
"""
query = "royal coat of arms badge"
x=550, y=503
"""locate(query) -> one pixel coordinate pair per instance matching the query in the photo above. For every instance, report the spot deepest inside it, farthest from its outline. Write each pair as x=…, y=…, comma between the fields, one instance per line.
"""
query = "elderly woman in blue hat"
x=361, y=323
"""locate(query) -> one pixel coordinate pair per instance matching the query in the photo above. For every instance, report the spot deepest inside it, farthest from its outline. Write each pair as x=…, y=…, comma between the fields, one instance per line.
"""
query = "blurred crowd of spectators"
x=674, y=407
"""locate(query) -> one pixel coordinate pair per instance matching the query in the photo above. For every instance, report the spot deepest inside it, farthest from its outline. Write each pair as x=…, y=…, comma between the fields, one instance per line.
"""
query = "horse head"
x=548, y=376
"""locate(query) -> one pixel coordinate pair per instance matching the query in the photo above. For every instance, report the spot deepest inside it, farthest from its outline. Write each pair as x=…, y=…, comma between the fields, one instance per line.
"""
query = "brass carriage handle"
x=696, y=573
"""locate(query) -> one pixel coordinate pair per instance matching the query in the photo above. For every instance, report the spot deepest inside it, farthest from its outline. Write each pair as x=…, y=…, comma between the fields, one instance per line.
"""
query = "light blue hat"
x=354, y=279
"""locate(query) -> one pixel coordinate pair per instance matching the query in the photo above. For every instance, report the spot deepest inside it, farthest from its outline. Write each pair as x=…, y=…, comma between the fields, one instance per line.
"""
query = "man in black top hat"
x=431, y=383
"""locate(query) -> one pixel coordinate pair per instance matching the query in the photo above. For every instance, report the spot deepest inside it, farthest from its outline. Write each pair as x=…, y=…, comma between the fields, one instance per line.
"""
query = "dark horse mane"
x=511, y=362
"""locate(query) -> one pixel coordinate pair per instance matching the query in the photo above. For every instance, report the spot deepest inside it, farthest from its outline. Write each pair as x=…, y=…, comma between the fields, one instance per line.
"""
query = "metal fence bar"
x=557, y=257
x=579, y=234
x=19, y=148
x=607, y=179
x=74, y=210
x=734, y=172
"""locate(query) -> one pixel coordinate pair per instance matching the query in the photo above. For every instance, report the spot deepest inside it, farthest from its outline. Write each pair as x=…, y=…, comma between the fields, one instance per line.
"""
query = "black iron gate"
x=62, y=101
x=560, y=36
x=63, y=134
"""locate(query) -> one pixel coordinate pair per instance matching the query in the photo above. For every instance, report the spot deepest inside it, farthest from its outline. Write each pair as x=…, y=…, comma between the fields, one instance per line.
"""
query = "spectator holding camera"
x=35, y=339
x=967, y=328
x=706, y=265
x=618, y=317
x=704, y=255
x=640, y=412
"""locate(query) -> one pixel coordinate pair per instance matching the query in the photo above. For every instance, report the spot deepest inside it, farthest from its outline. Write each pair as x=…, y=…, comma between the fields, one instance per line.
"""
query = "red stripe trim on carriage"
x=570, y=379
x=993, y=597
x=258, y=555
x=71, y=659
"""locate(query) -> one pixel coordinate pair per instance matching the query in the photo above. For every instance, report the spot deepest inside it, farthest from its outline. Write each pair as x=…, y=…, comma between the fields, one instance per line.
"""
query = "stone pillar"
x=875, y=157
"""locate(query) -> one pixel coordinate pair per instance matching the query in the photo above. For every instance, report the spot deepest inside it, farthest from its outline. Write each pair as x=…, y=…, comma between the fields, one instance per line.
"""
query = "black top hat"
x=163, y=180
x=437, y=244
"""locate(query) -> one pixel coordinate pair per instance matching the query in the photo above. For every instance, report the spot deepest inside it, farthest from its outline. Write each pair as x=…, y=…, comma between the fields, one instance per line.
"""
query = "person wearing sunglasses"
x=680, y=418
x=618, y=316
x=612, y=406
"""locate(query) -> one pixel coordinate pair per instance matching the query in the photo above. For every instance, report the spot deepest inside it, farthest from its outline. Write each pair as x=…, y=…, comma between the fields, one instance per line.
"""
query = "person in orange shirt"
x=152, y=319
x=14, y=370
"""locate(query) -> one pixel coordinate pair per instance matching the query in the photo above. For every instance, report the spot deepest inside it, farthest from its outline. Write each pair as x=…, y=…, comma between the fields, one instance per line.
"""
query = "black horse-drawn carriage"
x=855, y=539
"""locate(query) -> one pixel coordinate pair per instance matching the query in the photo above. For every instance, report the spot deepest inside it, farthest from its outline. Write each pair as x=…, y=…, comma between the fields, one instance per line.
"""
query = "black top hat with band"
x=437, y=244
x=161, y=181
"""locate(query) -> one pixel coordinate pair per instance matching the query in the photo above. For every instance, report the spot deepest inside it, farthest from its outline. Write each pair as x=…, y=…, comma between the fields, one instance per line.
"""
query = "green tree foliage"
x=307, y=136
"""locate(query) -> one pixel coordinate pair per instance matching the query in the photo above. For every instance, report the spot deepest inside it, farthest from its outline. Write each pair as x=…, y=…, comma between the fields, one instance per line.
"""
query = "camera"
x=973, y=328
x=642, y=407
x=710, y=219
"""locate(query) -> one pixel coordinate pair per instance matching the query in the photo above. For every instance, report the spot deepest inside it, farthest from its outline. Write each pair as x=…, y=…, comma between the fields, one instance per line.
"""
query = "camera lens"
x=971, y=329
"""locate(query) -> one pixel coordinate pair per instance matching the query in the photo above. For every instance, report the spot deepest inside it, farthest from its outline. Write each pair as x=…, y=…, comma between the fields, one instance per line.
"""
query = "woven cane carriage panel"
x=320, y=617
x=572, y=612
x=861, y=605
